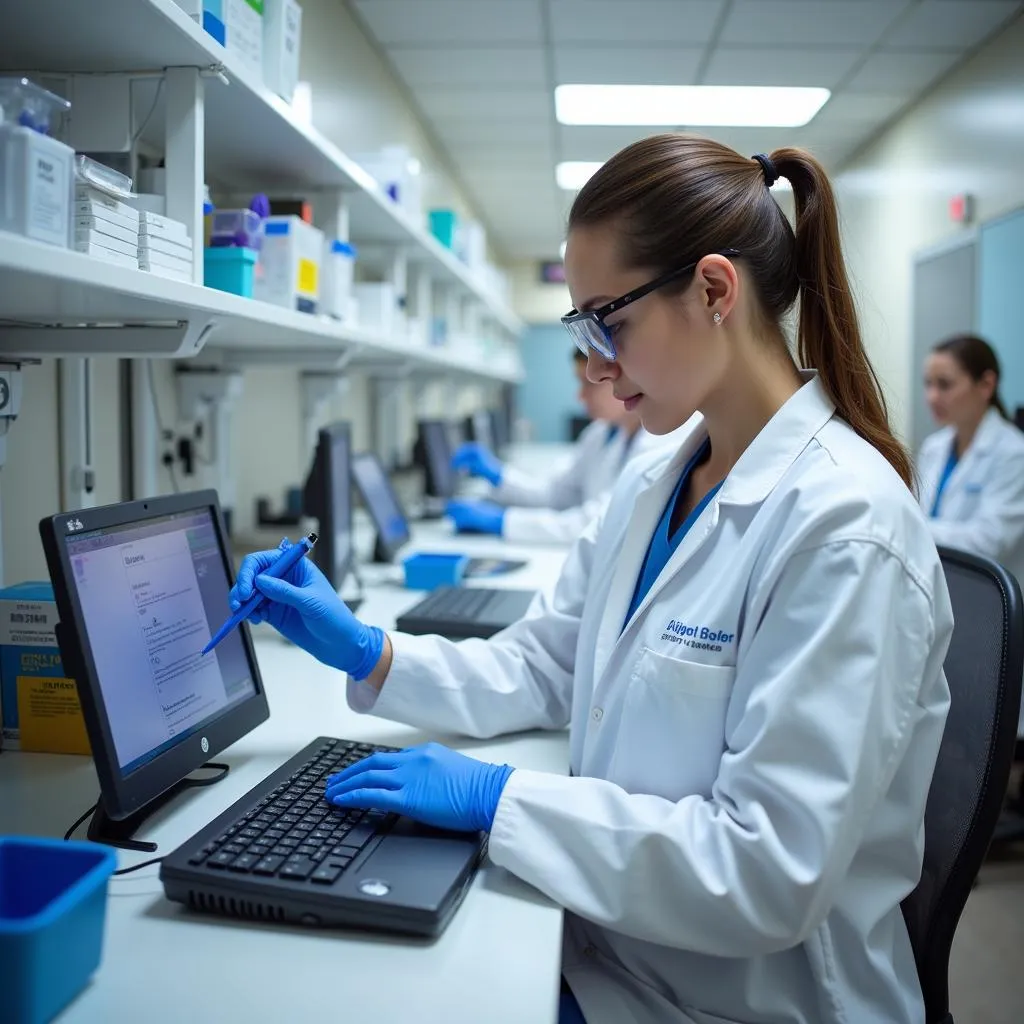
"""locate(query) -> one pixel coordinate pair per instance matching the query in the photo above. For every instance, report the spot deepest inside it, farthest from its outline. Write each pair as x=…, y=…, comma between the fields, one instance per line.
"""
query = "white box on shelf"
x=243, y=33
x=100, y=225
x=473, y=244
x=101, y=252
x=179, y=250
x=378, y=305
x=336, y=279
x=149, y=260
x=149, y=202
x=98, y=204
x=87, y=236
x=162, y=227
x=398, y=173
x=175, y=273
x=288, y=269
x=282, y=34
x=36, y=175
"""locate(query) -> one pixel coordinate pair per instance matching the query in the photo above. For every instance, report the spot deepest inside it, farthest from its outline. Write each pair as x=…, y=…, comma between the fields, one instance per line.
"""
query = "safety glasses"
x=589, y=330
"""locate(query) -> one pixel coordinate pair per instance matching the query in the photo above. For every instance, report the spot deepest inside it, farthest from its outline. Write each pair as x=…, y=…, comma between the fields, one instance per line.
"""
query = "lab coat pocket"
x=672, y=733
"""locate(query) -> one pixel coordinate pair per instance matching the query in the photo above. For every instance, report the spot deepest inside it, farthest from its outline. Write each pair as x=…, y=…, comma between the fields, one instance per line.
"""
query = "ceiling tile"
x=597, y=142
x=499, y=104
x=430, y=67
x=444, y=22
x=950, y=24
x=647, y=65
x=860, y=108
x=792, y=23
x=688, y=22
x=908, y=73
x=775, y=66
x=486, y=132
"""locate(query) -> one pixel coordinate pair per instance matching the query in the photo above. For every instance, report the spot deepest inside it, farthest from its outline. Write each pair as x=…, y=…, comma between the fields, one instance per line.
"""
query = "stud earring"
x=717, y=318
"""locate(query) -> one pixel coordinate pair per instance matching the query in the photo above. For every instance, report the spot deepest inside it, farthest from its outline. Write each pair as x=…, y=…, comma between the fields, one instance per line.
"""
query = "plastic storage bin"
x=230, y=269
x=426, y=571
x=336, y=299
x=241, y=228
x=444, y=226
x=290, y=259
x=53, y=904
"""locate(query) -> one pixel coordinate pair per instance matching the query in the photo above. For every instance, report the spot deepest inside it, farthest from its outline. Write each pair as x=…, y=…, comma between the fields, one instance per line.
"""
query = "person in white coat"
x=528, y=509
x=747, y=646
x=971, y=470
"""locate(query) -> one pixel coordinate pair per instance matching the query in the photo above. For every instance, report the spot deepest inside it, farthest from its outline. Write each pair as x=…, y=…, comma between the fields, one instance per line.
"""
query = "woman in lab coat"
x=971, y=471
x=747, y=647
x=527, y=509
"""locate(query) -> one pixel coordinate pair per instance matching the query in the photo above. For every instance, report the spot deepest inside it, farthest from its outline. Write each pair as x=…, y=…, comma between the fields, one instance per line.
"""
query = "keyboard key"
x=220, y=860
x=234, y=848
x=359, y=836
x=320, y=854
x=273, y=834
x=307, y=849
x=250, y=833
x=300, y=868
x=243, y=863
x=198, y=857
x=325, y=874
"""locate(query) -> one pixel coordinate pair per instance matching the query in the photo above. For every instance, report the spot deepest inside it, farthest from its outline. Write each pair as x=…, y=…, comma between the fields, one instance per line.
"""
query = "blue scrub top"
x=947, y=472
x=663, y=545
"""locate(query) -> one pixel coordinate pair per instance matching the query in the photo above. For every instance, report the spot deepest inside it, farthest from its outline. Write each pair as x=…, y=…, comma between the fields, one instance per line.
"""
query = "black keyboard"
x=291, y=832
x=455, y=603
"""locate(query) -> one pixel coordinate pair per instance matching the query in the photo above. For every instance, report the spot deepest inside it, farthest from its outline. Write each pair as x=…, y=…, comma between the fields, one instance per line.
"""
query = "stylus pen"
x=288, y=558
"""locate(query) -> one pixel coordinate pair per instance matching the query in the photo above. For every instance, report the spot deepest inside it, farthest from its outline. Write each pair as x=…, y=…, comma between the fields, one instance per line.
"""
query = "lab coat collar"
x=770, y=454
x=987, y=434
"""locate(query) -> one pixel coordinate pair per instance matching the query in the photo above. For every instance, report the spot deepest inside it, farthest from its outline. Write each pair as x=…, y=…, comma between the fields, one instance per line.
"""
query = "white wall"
x=359, y=106
x=534, y=301
x=966, y=136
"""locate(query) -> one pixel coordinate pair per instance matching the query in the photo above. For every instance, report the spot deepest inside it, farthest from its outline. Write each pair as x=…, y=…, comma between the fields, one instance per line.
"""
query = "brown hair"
x=976, y=357
x=675, y=198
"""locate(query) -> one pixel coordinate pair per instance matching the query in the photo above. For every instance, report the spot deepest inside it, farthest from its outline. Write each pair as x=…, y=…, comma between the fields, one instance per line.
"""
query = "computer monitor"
x=383, y=505
x=499, y=429
x=435, y=455
x=140, y=588
x=327, y=498
x=478, y=427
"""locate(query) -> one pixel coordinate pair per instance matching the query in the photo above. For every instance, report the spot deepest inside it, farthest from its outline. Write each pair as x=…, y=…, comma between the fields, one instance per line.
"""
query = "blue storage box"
x=426, y=571
x=53, y=903
x=230, y=269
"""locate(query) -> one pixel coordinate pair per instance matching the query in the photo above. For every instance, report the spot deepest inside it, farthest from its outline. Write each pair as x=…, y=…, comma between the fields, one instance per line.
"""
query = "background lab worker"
x=751, y=742
x=554, y=510
x=971, y=471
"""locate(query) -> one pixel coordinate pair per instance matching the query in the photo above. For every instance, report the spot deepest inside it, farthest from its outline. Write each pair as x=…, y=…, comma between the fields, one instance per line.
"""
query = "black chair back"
x=983, y=668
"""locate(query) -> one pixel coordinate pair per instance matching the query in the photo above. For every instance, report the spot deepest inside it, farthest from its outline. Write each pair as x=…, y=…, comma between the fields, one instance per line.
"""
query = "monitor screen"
x=382, y=504
x=327, y=497
x=479, y=428
x=437, y=457
x=151, y=595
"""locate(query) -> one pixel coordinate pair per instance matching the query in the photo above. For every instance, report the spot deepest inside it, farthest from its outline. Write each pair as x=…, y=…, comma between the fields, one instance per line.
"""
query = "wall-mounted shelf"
x=251, y=136
x=58, y=302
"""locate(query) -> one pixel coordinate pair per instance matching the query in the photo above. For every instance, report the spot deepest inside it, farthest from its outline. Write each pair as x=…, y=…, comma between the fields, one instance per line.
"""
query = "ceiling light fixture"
x=572, y=175
x=736, y=106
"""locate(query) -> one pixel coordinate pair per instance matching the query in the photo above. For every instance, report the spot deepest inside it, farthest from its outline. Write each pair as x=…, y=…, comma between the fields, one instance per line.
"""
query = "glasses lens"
x=588, y=334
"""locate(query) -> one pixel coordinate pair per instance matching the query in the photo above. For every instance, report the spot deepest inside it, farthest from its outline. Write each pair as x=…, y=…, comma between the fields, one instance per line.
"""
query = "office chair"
x=983, y=668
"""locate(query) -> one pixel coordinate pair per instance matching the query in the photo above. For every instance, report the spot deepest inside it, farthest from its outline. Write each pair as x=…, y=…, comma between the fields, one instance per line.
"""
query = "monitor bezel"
x=324, y=555
x=123, y=795
x=386, y=548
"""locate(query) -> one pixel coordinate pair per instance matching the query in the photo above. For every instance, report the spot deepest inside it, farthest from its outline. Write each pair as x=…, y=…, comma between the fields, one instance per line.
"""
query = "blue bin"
x=53, y=902
x=230, y=269
x=426, y=571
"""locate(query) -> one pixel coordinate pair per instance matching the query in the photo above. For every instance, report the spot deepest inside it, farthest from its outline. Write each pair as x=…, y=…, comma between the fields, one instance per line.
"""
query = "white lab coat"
x=555, y=509
x=753, y=751
x=982, y=507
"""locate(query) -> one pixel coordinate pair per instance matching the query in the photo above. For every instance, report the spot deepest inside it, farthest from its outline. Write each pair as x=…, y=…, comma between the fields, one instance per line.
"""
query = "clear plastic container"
x=29, y=105
x=242, y=228
x=106, y=179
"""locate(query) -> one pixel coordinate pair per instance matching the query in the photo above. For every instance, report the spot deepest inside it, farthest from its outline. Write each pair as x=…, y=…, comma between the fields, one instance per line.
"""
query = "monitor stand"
x=112, y=832
x=380, y=552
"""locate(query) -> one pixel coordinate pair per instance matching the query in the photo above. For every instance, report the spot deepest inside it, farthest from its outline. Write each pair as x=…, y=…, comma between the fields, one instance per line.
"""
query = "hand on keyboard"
x=303, y=606
x=430, y=783
x=476, y=516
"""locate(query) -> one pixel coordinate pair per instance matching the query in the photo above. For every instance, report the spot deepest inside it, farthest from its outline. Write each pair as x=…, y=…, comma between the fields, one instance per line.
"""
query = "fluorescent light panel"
x=735, y=106
x=572, y=175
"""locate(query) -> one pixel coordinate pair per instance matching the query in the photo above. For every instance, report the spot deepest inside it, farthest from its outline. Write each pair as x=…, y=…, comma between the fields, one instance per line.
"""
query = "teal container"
x=53, y=902
x=427, y=571
x=230, y=269
x=443, y=226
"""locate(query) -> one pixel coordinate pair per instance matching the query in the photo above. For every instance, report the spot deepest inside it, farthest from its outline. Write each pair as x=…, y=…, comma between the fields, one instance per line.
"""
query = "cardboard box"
x=41, y=710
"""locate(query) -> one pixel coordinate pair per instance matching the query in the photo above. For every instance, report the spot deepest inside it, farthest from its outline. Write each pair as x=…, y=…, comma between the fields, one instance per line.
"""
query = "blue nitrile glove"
x=477, y=460
x=472, y=515
x=430, y=783
x=303, y=606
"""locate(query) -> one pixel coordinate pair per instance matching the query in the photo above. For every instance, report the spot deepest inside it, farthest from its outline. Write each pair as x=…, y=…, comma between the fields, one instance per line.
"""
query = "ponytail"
x=829, y=339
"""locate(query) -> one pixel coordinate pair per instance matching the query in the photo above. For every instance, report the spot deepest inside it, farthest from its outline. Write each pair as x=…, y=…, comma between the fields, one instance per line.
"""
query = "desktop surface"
x=165, y=964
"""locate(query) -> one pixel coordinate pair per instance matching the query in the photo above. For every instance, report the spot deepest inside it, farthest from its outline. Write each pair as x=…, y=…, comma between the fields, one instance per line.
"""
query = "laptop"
x=463, y=612
x=140, y=588
x=392, y=524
